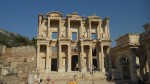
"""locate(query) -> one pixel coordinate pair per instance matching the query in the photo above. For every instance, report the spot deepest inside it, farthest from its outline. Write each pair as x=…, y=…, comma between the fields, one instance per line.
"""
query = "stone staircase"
x=73, y=75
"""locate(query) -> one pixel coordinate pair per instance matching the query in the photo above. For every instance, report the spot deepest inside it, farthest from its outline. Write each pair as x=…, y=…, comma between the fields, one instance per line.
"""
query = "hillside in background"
x=13, y=39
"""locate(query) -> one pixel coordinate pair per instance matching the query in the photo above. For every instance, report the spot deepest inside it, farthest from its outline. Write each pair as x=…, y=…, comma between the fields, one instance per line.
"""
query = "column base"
x=103, y=70
x=83, y=70
x=68, y=70
x=47, y=70
x=60, y=70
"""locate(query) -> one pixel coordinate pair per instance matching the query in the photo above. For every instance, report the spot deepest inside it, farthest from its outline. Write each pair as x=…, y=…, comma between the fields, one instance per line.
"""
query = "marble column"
x=59, y=33
x=99, y=57
x=48, y=34
x=98, y=30
x=81, y=35
x=81, y=59
x=39, y=25
x=68, y=28
x=47, y=59
x=50, y=55
x=89, y=29
x=38, y=56
x=90, y=61
x=133, y=66
x=59, y=64
x=69, y=60
x=102, y=59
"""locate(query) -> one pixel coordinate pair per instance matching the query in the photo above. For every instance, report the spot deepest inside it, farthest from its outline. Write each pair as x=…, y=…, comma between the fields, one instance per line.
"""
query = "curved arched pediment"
x=54, y=14
x=124, y=60
x=94, y=17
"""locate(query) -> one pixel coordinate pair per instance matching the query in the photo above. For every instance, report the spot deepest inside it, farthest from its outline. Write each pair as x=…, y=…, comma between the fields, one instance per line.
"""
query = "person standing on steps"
x=48, y=79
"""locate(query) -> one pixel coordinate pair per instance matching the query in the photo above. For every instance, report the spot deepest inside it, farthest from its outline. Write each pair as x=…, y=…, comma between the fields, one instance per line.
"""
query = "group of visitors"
x=48, y=80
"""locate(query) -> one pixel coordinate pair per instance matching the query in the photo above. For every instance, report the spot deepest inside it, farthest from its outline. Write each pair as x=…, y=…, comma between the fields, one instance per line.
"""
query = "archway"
x=125, y=67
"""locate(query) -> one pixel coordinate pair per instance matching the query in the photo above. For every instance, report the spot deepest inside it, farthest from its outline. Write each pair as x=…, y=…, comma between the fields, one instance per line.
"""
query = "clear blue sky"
x=126, y=16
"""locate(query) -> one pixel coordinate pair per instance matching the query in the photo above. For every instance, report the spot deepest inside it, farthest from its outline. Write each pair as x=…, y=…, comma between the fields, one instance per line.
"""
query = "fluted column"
x=47, y=58
x=102, y=59
x=69, y=60
x=38, y=56
x=59, y=59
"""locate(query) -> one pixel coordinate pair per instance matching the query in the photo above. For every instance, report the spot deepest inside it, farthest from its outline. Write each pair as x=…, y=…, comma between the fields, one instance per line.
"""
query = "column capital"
x=38, y=44
x=47, y=45
x=81, y=45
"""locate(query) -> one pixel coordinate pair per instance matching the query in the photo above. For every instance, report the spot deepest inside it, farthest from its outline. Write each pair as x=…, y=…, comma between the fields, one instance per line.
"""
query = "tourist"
x=71, y=82
x=74, y=82
x=39, y=80
x=53, y=81
x=48, y=79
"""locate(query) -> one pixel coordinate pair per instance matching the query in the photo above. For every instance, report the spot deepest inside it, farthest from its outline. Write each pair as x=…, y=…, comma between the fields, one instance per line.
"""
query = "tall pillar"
x=89, y=29
x=39, y=24
x=48, y=34
x=59, y=33
x=102, y=59
x=81, y=29
x=90, y=61
x=59, y=64
x=99, y=57
x=38, y=56
x=69, y=60
x=47, y=58
x=68, y=28
x=133, y=66
x=50, y=55
x=98, y=30
x=81, y=59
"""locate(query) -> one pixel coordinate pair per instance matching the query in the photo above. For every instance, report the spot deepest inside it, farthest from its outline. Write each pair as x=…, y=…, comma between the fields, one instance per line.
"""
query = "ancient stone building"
x=144, y=53
x=72, y=43
x=124, y=60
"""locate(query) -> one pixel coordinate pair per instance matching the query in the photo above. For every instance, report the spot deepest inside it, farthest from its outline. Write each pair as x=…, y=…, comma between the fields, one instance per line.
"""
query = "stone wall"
x=18, y=60
x=2, y=49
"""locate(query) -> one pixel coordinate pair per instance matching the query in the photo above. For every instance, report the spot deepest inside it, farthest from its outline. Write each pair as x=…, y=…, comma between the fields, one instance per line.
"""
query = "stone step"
x=72, y=75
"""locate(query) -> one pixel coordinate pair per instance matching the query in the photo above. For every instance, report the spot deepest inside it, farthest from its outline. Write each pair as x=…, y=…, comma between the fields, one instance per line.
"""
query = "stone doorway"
x=54, y=65
x=126, y=72
x=125, y=67
x=74, y=63
x=95, y=64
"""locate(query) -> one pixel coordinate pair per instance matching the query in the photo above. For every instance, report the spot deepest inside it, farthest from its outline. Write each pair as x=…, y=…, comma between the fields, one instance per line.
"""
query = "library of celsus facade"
x=74, y=43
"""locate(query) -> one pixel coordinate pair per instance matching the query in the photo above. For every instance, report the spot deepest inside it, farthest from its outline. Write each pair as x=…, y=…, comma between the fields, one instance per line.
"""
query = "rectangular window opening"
x=74, y=36
x=54, y=35
x=93, y=36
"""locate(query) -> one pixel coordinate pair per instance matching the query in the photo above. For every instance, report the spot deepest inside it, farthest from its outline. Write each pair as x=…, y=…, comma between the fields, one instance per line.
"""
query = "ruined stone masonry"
x=17, y=60
x=130, y=59
x=72, y=43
